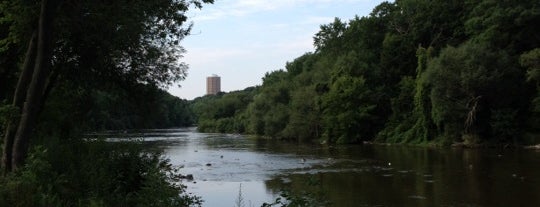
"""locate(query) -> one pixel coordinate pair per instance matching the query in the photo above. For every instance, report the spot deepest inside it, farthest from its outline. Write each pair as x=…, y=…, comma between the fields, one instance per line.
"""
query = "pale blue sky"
x=241, y=40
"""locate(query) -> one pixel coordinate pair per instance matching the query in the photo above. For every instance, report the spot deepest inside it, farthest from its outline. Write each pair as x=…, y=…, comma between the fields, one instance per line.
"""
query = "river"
x=358, y=175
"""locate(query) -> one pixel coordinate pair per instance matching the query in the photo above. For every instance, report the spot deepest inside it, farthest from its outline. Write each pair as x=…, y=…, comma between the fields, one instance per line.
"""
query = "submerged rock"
x=187, y=177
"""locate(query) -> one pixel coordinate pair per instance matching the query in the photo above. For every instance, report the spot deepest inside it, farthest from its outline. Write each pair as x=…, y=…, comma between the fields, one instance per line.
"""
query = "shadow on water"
x=359, y=175
x=409, y=176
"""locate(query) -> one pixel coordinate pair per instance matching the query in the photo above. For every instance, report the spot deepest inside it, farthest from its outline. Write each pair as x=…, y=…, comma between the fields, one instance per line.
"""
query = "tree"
x=347, y=111
x=330, y=37
x=305, y=115
x=413, y=71
x=127, y=46
x=466, y=85
x=30, y=89
x=268, y=114
x=531, y=60
x=509, y=25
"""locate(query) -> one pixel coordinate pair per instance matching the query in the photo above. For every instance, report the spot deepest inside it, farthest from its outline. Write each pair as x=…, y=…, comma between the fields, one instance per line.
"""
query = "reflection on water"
x=347, y=175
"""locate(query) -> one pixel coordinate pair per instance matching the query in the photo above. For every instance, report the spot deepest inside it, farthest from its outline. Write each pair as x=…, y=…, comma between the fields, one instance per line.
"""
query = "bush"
x=95, y=173
x=34, y=185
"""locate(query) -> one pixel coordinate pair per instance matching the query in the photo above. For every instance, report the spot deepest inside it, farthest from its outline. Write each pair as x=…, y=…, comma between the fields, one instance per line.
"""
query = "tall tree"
x=131, y=41
x=30, y=88
x=466, y=85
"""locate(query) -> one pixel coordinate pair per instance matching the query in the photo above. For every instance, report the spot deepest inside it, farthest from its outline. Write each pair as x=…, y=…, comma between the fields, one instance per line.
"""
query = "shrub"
x=95, y=173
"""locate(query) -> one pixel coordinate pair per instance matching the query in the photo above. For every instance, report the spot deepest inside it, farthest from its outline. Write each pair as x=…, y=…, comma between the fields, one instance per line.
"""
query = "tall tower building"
x=213, y=85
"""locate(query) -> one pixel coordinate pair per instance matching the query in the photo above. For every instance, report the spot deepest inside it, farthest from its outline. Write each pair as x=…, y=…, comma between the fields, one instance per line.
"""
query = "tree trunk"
x=18, y=101
x=34, y=96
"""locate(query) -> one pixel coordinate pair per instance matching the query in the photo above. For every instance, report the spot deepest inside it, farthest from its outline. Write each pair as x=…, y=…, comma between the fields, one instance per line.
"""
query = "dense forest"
x=74, y=67
x=413, y=71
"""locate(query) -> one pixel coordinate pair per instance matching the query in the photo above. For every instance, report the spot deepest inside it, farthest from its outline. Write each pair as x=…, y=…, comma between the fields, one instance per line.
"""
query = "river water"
x=359, y=175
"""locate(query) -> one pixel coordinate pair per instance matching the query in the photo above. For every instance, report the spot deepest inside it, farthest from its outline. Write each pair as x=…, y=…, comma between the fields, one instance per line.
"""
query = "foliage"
x=346, y=109
x=89, y=66
x=34, y=185
x=95, y=173
x=509, y=25
x=287, y=199
x=531, y=60
x=7, y=112
x=305, y=116
x=224, y=112
x=413, y=71
x=72, y=110
x=466, y=85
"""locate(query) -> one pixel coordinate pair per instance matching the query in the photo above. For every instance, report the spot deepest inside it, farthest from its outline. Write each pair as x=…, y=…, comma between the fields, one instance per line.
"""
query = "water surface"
x=359, y=175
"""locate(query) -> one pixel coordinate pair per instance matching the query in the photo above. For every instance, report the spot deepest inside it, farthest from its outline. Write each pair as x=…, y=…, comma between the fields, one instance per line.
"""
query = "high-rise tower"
x=213, y=85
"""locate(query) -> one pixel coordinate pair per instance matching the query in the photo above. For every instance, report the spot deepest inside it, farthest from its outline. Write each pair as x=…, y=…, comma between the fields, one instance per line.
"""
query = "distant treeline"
x=413, y=71
x=80, y=104
x=113, y=106
x=90, y=105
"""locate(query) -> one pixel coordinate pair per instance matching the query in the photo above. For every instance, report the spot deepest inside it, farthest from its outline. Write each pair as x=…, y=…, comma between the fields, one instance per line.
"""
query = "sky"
x=242, y=40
